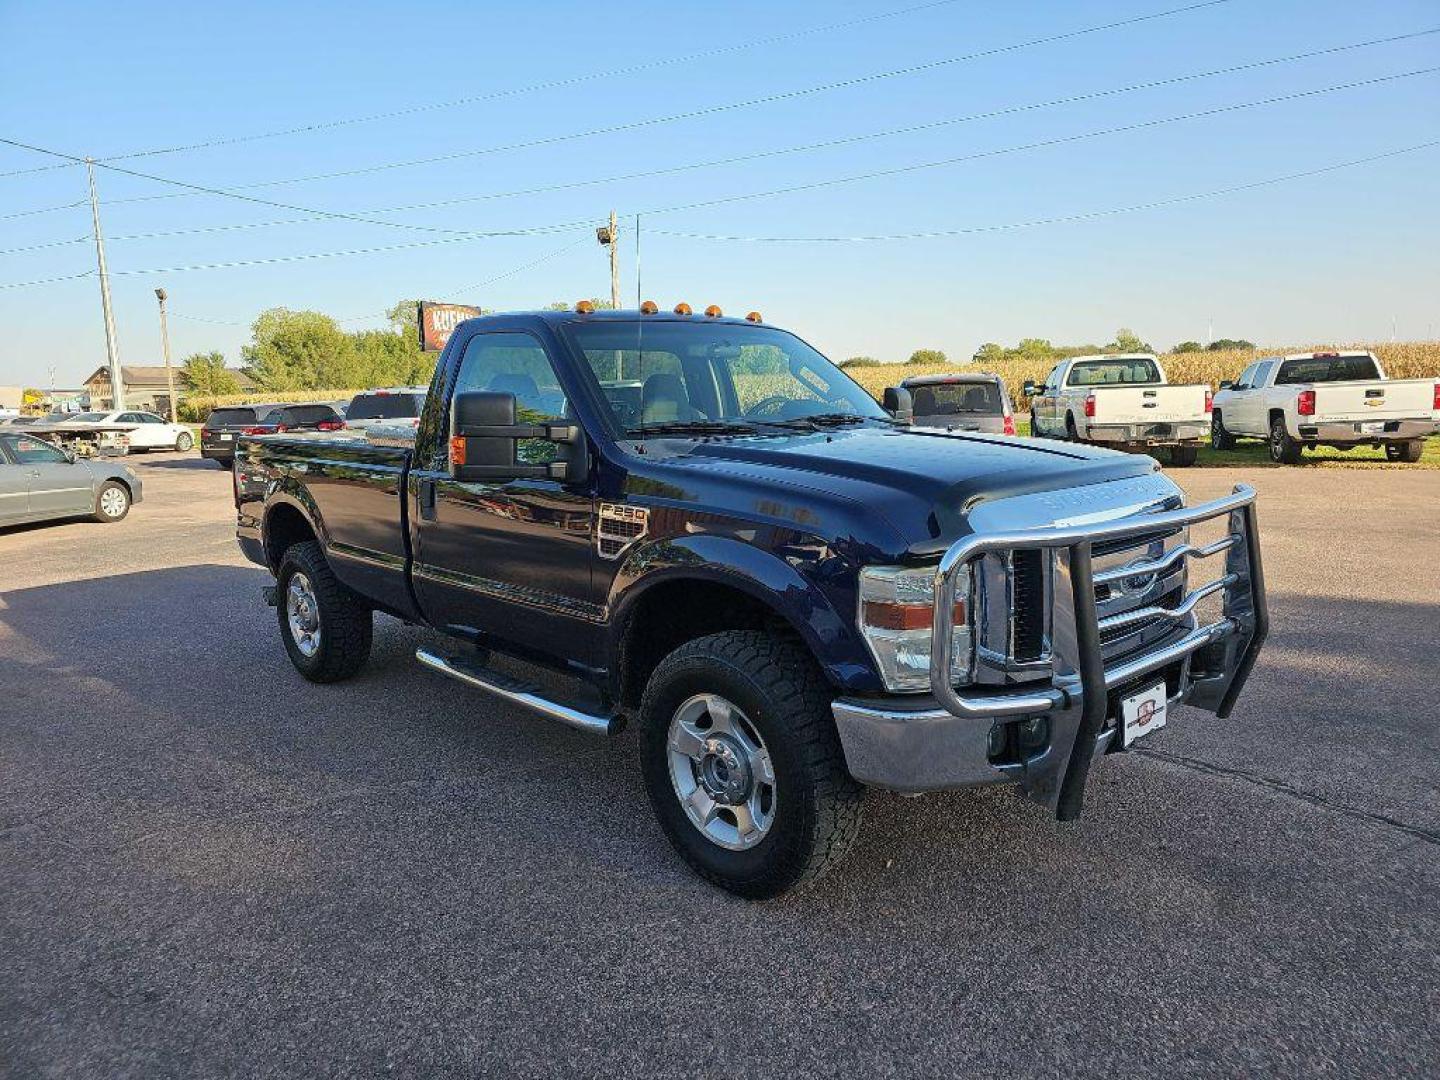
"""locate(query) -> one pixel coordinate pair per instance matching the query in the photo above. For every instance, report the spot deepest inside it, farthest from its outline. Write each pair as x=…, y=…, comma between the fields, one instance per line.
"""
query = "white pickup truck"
x=1121, y=401
x=1340, y=399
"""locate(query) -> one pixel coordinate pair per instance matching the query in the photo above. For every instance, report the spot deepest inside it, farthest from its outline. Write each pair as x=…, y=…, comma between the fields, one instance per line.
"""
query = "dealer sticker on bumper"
x=1142, y=713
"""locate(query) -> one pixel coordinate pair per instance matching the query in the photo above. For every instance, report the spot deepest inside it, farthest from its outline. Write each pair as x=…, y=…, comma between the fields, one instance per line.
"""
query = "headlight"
x=897, y=610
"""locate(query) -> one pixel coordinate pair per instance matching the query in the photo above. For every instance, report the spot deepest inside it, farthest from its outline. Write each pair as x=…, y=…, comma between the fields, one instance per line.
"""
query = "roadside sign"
x=438, y=322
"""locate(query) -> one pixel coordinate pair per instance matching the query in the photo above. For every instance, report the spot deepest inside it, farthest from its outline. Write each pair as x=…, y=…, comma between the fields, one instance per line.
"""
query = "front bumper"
x=948, y=739
x=1355, y=431
x=1157, y=434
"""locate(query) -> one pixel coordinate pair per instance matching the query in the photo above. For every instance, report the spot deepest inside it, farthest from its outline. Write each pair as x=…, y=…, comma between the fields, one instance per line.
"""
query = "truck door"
x=508, y=560
x=1252, y=418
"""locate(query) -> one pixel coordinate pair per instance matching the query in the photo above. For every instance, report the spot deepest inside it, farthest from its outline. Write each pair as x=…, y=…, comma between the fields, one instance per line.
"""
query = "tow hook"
x=271, y=595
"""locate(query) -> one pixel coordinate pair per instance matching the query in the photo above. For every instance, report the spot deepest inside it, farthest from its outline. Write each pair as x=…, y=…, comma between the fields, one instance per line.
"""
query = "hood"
x=922, y=483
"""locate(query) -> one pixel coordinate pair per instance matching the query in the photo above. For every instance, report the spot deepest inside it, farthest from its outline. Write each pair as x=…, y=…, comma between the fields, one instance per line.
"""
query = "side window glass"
x=29, y=451
x=516, y=364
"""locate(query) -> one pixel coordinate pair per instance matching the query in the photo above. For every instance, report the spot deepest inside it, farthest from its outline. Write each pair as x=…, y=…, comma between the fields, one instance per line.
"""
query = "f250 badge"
x=620, y=526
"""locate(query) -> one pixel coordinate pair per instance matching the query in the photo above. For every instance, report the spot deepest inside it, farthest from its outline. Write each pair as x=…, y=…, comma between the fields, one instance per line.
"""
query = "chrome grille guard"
x=1076, y=697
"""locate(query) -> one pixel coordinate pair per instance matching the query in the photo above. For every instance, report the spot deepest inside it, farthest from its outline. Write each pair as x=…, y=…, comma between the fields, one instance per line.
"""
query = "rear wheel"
x=1409, y=451
x=1182, y=457
x=743, y=765
x=326, y=627
x=1071, y=431
x=1283, y=449
x=112, y=502
x=184, y=441
x=1220, y=439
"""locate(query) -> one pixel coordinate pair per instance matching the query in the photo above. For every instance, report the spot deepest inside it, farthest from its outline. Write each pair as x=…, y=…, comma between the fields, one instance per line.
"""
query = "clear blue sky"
x=1334, y=257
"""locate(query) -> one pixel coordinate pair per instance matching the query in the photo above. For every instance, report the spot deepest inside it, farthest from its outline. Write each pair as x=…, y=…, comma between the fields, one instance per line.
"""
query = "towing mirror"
x=1030, y=388
x=1226, y=384
x=898, y=403
x=484, y=440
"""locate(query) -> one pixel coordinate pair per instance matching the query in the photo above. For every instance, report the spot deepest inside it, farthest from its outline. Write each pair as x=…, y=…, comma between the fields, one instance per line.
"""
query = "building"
x=145, y=387
x=11, y=397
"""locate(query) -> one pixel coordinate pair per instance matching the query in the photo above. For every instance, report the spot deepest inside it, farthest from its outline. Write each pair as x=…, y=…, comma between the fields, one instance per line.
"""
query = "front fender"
x=810, y=587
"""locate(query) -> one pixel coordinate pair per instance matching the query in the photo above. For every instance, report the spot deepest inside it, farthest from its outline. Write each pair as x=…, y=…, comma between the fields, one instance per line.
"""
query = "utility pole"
x=609, y=236
x=165, y=345
x=112, y=349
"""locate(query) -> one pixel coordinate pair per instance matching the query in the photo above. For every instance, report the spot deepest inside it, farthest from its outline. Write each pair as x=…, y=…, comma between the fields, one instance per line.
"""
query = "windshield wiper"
x=692, y=427
x=822, y=420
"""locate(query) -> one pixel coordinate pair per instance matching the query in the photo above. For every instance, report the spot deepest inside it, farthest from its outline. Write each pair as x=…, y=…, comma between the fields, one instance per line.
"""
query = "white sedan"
x=150, y=432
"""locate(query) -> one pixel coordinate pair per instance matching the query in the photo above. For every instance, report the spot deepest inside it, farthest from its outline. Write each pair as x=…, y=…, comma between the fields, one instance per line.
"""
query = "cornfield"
x=1402, y=360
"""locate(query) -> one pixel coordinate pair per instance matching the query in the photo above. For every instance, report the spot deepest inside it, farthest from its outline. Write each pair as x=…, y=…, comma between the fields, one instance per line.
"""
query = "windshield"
x=221, y=417
x=957, y=399
x=385, y=406
x=715, y=376
x=90, y=417
x=1103, y=372
x=1326, y=369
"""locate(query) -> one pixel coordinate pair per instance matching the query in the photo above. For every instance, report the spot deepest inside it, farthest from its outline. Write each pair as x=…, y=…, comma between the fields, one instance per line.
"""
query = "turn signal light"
x=1009, y=424
x=714, y=311
x=1090, y=405
x=754, y=316
x=1305, y=403
x=1209, y=400
x=330, y=425
x=457, y=450
x=683, y=308
x=1436, y=403
x=889, y=615
x=649, y=307
x=584, y=307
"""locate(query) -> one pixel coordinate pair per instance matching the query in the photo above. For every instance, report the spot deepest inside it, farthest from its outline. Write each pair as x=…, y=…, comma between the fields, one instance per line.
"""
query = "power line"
x=1062, y=219
x=42, y=247
x=43, y=210
x=713, y=110
x=46, y=281
x=552, y=84
x=1061, y=141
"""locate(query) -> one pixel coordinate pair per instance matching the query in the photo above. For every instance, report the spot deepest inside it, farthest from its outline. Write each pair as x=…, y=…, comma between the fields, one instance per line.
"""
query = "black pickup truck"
x=795, y=593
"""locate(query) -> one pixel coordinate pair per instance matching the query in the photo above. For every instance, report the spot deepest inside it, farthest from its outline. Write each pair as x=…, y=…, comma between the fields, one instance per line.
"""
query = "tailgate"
x=1374, y=399
x=1148, y=404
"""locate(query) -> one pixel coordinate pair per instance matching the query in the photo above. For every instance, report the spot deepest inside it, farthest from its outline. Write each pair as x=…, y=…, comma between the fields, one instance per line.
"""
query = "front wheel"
x=1283, y=449
x=112, y=502
x=1409, y=451
x=326, y=627
x=743, y=764
x=184, y=441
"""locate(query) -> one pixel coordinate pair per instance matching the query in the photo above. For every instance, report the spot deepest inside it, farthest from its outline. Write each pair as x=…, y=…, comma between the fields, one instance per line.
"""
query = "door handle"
x=426, y=497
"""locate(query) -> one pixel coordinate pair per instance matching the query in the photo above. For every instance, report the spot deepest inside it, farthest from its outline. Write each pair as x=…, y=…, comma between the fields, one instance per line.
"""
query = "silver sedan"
x=40, y=482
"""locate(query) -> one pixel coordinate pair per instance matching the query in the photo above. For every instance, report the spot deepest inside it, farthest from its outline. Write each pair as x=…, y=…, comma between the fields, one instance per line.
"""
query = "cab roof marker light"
x=754, y=316
x=683, y=308
x=584, y=307
x=649, y=307
x=713, y=311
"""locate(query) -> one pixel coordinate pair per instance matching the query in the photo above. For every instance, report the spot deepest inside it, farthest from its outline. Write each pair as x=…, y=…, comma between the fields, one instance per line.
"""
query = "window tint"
x=30, y=451
x=230, y=417
x=1102, y=372
x=949, y=399
x=306, y=414
x=1327, y=369
x=1243, y=382
x=516, y=364
x=385, y=407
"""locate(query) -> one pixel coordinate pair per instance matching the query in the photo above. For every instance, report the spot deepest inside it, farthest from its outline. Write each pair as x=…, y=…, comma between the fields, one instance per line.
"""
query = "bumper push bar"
x=910, y=748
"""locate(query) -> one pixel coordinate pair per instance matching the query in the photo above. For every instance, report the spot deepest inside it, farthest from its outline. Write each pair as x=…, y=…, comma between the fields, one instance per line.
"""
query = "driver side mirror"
x=1030, y=388
x=898, y=403
x=1226, y=384
x=484, y=440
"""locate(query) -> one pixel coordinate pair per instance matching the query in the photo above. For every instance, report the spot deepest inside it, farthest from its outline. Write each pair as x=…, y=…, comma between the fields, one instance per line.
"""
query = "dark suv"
x=223, y=426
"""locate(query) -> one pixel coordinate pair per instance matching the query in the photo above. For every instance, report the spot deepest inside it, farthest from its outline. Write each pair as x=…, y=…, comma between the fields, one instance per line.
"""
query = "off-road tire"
x=1182, y=457
x=183, y=442
x=346, y=623
x=1409, y=451
x=780, y=689
x=1283, y=449
x=1220, y=439
x=101, y=498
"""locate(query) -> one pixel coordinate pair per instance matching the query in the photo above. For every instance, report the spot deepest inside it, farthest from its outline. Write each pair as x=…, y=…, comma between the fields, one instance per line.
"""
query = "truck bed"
x=1154, y=403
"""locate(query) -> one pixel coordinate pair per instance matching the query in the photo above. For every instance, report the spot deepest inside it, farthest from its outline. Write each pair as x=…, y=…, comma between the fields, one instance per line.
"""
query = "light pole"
x=112, y=348
x=165, y=346
x=609, y=236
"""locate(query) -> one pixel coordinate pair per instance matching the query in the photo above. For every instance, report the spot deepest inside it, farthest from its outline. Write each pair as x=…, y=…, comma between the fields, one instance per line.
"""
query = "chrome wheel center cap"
x=724, y=772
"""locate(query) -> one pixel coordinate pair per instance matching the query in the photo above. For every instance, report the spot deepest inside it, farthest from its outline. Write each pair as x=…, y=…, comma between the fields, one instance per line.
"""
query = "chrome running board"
x=518, y=693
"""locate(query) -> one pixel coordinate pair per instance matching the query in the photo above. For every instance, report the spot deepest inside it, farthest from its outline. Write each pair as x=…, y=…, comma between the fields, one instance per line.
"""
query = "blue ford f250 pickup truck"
x=792, y=591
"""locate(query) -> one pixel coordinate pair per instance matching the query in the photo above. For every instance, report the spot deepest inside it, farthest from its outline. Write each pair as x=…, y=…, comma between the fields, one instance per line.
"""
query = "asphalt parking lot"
x=209, y=866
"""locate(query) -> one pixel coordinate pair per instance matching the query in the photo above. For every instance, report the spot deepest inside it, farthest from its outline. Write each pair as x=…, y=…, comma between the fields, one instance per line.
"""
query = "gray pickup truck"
x=795, y=593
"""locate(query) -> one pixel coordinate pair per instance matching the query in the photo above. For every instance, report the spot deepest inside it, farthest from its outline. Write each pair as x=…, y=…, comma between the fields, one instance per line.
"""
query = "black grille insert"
x=1028, y=642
